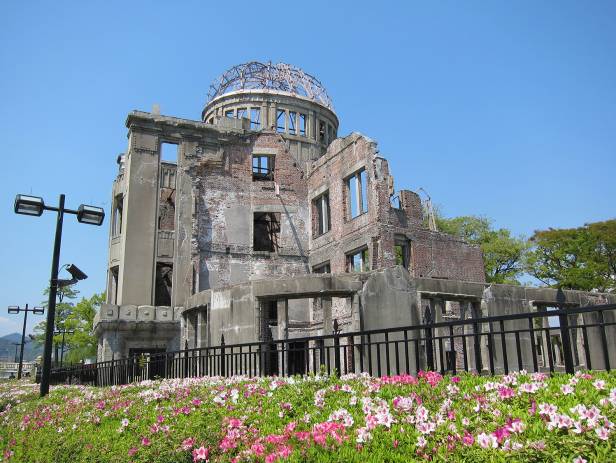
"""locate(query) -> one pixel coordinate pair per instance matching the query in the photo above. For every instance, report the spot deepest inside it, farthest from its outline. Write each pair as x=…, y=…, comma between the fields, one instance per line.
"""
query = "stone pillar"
x=282, y=306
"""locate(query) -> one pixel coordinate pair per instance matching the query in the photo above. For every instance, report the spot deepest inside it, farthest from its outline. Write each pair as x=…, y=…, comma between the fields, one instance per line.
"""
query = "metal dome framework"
x=267, y=76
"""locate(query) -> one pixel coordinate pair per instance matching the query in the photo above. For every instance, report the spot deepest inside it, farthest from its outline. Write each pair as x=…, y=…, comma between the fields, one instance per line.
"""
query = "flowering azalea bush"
x=355, y=418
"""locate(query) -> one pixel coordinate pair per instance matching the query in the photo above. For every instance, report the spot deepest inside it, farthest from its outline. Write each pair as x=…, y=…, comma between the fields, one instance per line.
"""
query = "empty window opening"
x=302, y=125
x=262, y=167
x=266, y=231
x=195, y=275
x=113, y=285
x=169, y=152
x=322, y=131
x=356, y=187
x=321, y=214
x=118, y=209
x=211, y=120
x=325, y=267
x=401, y=253
x=164, y=277
x=255, y=118
x=292, y=122
x=281, y=120
x=242, y=113
x=330, y=133
x=394, y=201
x=357, y=261
x=229, y=113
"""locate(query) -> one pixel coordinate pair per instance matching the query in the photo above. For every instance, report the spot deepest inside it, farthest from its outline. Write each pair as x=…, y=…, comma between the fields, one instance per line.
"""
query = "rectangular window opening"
x=113, y=284
x=322, y=268
x=229, y=113
x=292, y=122
x=322, y=132
x=255, y=118
x=322, y=215
x=402, y=252
x=302, y=125
x=242, y=113
x=357, y=193
x=164, y=279
x=118, y=209
x=262, y=167
x=357, y=261
x=169, y=152
x=266, y=231
x=281, y=121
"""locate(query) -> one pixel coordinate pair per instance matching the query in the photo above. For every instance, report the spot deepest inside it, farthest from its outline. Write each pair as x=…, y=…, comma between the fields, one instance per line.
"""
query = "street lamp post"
x=13, y=309
x=34, y=205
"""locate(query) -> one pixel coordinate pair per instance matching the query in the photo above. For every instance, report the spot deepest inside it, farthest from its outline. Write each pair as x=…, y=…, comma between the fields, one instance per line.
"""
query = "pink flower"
x=505, y=392
x=455, y=379
x=487, y=441
x=271, y=458
x=468, y=439
x=188, y=443
x=196, y=402
x=566, y=389
x=599, y=384
x=132, y=451
x=258, y=449
x=146, y=442
x=579, y=459
x=603, y=433
x=200, y=454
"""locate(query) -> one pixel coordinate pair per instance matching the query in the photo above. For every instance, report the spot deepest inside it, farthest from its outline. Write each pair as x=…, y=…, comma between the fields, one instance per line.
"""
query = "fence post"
x=564, y=336
x=222, y=355
x=112, y=368
x=185, y=375
x=428, y=334
x=337, y=347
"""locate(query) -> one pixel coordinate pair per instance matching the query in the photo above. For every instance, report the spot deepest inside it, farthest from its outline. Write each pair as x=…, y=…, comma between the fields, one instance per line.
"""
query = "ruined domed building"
x=261, y=222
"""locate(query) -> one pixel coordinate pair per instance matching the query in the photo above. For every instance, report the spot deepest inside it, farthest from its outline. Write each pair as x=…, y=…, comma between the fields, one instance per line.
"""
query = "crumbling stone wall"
x=227, y=199
x=431, y=254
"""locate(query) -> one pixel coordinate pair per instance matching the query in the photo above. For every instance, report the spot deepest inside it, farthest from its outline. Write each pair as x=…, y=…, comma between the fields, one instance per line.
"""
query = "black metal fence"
x=557, y=340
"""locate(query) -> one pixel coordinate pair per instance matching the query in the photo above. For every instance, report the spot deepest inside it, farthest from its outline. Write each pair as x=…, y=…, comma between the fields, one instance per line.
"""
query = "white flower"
x=602, y=433
x=599, y=384
x=579, y=459
x=566, y=389
x=421, y=442
x=486, y=441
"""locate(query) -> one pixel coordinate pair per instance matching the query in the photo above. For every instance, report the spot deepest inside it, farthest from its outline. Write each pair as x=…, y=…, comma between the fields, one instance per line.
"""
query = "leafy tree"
x=503, y=254
x=79, y=318
x=581, y=258
x=83, y=344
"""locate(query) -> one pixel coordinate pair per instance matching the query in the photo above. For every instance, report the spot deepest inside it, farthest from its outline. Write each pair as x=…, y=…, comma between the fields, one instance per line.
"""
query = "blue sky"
x=502, y=109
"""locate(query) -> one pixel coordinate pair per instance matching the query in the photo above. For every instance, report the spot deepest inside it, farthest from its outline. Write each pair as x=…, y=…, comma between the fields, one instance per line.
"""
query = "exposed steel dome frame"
x=267, y=76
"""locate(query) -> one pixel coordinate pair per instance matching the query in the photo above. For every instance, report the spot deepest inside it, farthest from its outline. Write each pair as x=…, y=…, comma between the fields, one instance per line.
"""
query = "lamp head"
x=90, y=214
x=13, y=309
x=29, y=205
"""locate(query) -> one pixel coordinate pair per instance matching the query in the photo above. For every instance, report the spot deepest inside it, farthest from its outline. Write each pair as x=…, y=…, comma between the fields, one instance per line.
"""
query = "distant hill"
x=7, y=348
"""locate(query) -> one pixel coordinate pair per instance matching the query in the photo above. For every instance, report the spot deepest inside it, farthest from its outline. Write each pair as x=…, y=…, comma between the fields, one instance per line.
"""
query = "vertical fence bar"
x=566, y=342
x=504, y=347
x=533, y=348
x=222, y=355
x=606, y=354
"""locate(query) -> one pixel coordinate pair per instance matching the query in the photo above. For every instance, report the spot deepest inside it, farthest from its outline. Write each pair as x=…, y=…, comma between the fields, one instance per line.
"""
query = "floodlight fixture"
x=90, y=214
x=13, y=309
x=76, y=273
x=29, y=205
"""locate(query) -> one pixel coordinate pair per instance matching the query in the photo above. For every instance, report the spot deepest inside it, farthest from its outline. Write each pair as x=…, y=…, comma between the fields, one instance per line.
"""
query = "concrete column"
x=282, y=306
x=437, y=306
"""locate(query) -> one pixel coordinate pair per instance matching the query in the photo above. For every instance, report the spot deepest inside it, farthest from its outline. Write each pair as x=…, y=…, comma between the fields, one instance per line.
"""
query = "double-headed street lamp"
x=33, y=205
x=15, y=309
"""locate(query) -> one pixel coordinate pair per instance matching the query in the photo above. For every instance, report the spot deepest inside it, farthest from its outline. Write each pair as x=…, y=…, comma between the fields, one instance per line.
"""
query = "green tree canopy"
x=581, y=258
x=79, y=318
x=503, y=254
